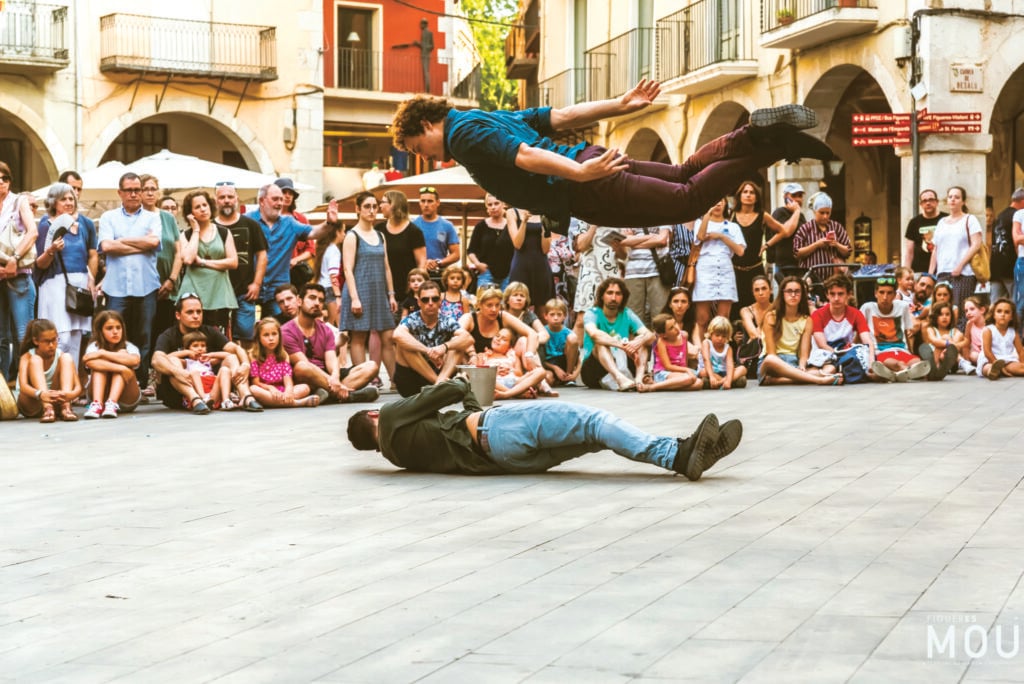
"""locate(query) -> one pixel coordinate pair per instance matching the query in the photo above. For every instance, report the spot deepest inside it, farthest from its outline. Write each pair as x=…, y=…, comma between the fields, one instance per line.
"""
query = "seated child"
x=47, y=378
x=562, y=350
x=715, y=365
x=270, y=377
x=1002, y=352
x=975, y=313
x=112, y=360
x=511, y=381
x=211, y=385
x=904, y=284
x=943, y=343
x=411, y=303
x=670, y=368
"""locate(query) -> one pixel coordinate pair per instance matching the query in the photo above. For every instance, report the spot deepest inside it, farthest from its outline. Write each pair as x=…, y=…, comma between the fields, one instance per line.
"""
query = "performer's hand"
x=606, y=165
x=642, y=95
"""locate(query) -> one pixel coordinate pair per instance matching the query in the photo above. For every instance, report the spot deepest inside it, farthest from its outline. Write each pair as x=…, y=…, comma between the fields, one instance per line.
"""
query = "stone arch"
x=46, y=147
x=721, y=119
x=253, y=152
x=647, y=145
x=1005, y=172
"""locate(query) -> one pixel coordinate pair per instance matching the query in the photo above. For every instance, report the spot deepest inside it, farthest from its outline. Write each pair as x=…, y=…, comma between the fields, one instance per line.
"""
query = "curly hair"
x=411, y=114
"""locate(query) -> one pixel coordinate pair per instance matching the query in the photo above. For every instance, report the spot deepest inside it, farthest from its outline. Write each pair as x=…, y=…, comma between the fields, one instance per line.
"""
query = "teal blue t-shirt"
x=625, y=324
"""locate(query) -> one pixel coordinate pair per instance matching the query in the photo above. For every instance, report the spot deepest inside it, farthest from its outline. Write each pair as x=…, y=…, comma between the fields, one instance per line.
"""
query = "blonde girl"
x=904, y=284
x=47, y=378
x=112, y=360
x=1001, y=347
x=716, y=367
x=975, y=314
x=270, y=377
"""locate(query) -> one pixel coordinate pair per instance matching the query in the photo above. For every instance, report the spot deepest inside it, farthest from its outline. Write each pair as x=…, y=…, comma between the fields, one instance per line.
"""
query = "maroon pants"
x=654, y=194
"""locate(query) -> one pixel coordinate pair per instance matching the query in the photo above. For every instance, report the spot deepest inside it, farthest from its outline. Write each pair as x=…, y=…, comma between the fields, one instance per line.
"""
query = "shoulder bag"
x=980, y=261
x=77, y=300
x=10, y=236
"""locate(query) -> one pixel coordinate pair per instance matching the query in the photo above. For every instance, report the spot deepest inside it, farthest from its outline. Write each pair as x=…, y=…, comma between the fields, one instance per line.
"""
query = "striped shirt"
x=809, y=233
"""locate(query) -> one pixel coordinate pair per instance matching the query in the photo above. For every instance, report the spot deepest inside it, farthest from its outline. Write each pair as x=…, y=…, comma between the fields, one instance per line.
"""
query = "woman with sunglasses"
x=17, y=290
x=368, y=298
x=787, y=340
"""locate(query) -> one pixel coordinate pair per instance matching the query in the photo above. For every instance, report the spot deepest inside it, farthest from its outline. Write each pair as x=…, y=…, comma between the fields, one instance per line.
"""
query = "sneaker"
x=740, y=382
x=729, y=435
x=368, y=393
x=793, y=116
x=995, y=371
x=882, y=371
x=323, y=394
x=950, y=361
x=903, y=375
x=927, y=354
x=692, y=453
x=919, y=370
x=110, y=409
x=95, y=408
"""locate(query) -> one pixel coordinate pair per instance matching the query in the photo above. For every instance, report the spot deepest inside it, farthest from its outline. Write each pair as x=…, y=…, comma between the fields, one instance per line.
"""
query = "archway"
x=1006, y=167
x=183, y=133
x=726, y=117
x=22, y=146
x=646, y=145
x=838, y=94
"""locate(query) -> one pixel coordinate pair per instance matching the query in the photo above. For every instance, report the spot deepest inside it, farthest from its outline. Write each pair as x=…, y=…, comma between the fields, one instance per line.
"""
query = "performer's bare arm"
x=586, y=113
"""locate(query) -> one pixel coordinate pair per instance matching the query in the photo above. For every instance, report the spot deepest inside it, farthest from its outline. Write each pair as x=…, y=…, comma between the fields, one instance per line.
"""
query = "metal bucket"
x=481, y=380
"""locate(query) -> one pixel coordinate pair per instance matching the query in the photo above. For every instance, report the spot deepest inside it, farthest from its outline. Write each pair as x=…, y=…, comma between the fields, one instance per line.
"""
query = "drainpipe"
x=79, y=153
x=915, y=78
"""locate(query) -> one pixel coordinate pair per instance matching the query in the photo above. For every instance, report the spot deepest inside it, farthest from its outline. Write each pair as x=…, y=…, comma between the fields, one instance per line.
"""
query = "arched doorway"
x=646, y=145
x=840, y=93
x=726, y=117
x=1005, y=170
x=183, y=133
x=32, y=165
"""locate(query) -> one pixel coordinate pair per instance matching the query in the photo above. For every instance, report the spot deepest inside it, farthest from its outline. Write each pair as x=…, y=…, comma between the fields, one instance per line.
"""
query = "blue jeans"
x=1018, y=282
x=17, y=308
x=526, y=440
x=486, y=278
x=138, y=314
x=242, y=327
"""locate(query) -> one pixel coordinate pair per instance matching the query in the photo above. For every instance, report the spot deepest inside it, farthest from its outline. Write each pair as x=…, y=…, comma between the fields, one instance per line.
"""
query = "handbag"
x=852, y=362
x=77, y=300
x=980, y=261
x=10, y=236
x=690, y=274
x=748, y=355
x=666, y=266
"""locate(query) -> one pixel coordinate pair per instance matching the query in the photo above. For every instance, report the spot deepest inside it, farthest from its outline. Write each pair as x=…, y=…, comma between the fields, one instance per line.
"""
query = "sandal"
x=250, y=404
x=67, y=414
x=48, y=414
x=198, y=406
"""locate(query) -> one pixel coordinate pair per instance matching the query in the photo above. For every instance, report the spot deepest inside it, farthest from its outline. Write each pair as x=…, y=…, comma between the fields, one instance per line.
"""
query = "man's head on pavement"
x=418, y=126
x=287, y=298
x=271, y=201
x=129, y=189
x=612, y=294
x=362, y=430
x=312, y=297
x=189, y=311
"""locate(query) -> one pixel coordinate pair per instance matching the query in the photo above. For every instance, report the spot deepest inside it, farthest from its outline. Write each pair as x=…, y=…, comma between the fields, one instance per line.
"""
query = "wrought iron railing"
x=401, y=71
x=33, y=31
x=616, y=66
x=778, y=13
x=563, y=89
x=130, y=42
x=704, y=33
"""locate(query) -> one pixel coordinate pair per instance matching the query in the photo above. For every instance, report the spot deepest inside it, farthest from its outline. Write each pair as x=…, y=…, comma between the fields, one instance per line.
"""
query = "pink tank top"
x=676, y=354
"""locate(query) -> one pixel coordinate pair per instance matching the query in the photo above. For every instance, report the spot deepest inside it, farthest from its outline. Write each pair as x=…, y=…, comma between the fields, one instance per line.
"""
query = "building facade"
x=720, y=59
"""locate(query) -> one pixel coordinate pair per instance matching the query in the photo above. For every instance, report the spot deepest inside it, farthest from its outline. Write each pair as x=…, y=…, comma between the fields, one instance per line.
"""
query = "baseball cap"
x=286, y=184
x=792, y=188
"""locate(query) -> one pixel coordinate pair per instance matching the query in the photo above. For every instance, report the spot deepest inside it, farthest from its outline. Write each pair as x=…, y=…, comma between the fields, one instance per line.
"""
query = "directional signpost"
x=873, y=130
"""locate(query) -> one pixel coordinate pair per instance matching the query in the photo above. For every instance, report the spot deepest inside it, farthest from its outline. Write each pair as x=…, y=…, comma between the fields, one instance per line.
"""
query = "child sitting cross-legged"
x=670, y=369
x=715, y=365
x=511, y=382
x=271, y=376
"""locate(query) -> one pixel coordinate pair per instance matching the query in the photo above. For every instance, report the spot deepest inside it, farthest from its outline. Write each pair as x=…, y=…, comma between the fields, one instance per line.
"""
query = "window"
x=358, y=57
x=139, y=141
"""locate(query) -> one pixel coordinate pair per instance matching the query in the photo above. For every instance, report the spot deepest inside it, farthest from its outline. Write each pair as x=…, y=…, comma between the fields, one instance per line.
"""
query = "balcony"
x=522, y=44
x=704, y=47
x=402, y=72
x=803, y=24
x=616, y=66
x=131, y=43
x=33, y=37
x=563, y=89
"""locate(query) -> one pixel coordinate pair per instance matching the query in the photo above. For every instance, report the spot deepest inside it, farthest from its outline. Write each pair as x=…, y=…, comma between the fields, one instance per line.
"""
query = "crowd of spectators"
x=388, y=303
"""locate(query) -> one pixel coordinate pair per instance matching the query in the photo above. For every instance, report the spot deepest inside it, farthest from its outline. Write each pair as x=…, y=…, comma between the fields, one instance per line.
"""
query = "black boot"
x=729, y=436
x=691, y=453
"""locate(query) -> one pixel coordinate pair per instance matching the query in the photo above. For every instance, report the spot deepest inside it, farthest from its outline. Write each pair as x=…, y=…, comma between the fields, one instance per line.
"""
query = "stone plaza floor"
x=864, y=534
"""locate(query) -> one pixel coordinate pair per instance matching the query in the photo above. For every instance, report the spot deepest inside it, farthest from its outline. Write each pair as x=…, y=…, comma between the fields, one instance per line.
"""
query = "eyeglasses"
x=885, y=280
x=929, y=199
x=222, y=184
x=430, y=300
x=130, y=191
x=791, y=291
x=368, y=206
x=428, y=188
x=308, y=345
x=147, y=190
x=679, y=290
x=5, y=178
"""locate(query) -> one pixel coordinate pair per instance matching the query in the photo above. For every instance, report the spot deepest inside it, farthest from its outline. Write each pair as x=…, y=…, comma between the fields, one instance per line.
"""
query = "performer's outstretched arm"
x=586, y=113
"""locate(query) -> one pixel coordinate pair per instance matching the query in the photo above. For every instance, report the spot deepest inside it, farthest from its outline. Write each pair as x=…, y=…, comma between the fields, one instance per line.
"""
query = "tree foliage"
x=497, y=92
